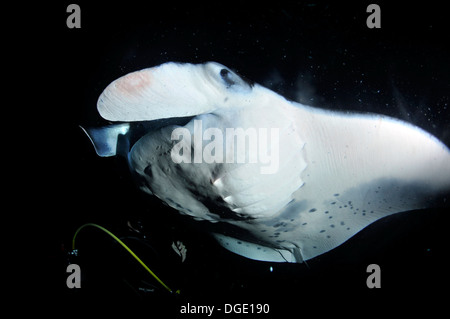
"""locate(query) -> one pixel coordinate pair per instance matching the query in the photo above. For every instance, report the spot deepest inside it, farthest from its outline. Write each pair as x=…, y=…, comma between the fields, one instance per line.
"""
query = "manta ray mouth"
x=140, y=128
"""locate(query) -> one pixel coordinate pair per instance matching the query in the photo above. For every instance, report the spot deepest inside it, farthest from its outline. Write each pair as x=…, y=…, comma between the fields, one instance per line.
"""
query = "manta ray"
x=337, y=172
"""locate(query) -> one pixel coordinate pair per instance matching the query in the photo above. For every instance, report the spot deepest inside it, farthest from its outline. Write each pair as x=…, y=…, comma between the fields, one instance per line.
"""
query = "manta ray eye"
x=224, y=73
x=227, y=77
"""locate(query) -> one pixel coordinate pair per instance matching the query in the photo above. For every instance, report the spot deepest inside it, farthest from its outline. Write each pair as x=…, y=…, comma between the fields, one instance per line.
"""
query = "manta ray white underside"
x=336, y=172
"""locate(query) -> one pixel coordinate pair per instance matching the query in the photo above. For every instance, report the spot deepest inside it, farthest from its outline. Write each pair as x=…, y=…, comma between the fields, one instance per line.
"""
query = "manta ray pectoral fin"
x=361, y=168
x=105, y=139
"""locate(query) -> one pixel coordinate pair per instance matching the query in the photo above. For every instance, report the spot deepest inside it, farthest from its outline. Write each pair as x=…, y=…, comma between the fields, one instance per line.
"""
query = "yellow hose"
x=124, y=246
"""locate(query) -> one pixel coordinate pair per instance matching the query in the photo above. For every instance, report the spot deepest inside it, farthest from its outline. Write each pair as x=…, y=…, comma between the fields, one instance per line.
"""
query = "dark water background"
x=317, y=53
